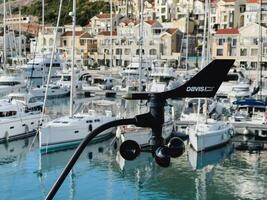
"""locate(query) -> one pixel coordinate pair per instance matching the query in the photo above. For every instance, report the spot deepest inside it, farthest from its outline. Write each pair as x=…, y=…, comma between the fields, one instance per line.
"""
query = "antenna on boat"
x=73, y=15
x=198, y=86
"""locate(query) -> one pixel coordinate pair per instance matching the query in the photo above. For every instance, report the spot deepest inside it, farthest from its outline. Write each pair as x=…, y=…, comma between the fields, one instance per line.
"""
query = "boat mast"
x=187, y=37
x=20, y=36
x=4, y=35
x=111, y=27
x=259, y=64
x=73, y=56
x=141, y=29
x=208, y=32
x=43, y=5
x=203, y=52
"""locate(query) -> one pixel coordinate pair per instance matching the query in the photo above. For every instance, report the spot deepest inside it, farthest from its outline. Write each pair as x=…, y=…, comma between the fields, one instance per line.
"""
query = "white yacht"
x=98, y=83
x=240, y=90
x=161, y=77
x=19, y=116
x=67, y=132
x=210, y=134
x=11, y=83
x=252, y=112
x=81, y=77
x=54, y=91
x=130, y=74
x=236, y=86
x=38, y=67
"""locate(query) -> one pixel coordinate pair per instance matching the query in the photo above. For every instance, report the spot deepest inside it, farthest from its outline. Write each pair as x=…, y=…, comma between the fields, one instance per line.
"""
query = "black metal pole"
x=80, y=149
x=156, y=105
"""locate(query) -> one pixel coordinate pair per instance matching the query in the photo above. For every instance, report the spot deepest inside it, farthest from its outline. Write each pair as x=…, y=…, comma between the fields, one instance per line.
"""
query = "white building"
x=158, y=43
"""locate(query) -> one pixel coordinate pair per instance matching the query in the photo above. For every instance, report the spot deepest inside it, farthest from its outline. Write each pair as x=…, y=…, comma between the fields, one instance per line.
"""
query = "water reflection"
x=101, y=173
x=199, y=160
x=15, y=150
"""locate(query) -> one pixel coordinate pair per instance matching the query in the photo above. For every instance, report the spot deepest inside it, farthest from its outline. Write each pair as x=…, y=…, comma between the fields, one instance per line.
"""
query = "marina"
x=133, y=99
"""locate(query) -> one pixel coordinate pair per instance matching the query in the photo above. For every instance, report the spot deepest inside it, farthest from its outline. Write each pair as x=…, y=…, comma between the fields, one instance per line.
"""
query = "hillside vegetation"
x=84, y=10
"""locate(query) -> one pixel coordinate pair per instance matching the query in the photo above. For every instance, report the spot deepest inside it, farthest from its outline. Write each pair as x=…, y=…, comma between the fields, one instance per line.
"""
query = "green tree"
x=84, y=10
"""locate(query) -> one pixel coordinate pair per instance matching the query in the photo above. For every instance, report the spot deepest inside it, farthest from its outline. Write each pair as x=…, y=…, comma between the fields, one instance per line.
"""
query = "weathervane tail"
x=206, y=82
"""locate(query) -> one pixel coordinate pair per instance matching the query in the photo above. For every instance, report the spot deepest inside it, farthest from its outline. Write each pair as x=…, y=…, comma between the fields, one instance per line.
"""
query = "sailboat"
x=67, y=131
x=9, y=82
x=209, y=133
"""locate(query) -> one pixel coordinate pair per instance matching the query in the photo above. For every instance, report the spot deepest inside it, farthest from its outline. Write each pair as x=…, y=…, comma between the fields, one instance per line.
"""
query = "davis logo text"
x=199, y=89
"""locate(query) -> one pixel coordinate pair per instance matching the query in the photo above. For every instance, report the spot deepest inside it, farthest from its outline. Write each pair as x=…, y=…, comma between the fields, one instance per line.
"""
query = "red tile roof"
x=128, y=21
x=252, y=1
x=107, y=33
x=151, y=22
x=230, y=31
x=69, y=33
x=104, y=15
x=171, y=30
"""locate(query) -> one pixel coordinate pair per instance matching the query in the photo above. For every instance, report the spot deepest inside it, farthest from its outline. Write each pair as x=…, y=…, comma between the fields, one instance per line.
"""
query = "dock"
x=235, y=124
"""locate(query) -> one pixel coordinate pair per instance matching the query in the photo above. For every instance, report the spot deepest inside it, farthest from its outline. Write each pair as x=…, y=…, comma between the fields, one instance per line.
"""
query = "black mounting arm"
x=204, y=84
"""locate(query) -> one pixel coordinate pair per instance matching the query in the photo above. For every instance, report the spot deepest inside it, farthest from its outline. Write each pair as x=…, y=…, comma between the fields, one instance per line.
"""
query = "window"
x=127, y=51
x=152, y=52
x=219, y=52
x=221, y=41
x=64, y=42
x=234, y=40
x=8, y=113
x=255, y=41
x=82, y=42
x=118, y=51
x=243, y=52
x=137, y=51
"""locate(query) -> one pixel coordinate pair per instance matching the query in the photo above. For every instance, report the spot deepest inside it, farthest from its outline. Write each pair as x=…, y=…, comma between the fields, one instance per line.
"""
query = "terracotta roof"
x=151, y=22
x=171, y=30
x=105, y=15
x=69, y=33
x=128, y=21
x=107, y=33
x=252, y=1
x=256, y=1
x=228, y=31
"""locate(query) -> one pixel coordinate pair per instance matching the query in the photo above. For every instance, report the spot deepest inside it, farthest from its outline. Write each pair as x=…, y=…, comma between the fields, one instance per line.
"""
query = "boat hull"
x=63, y=134
x=15, y=128
x=202, y=142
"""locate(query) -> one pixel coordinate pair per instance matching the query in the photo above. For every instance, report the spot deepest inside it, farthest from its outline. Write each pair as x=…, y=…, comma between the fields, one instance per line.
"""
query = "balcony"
x=92, y=46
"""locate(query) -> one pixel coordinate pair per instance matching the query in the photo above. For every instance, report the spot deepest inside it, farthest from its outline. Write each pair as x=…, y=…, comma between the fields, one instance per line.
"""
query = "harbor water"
x=101, y=173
